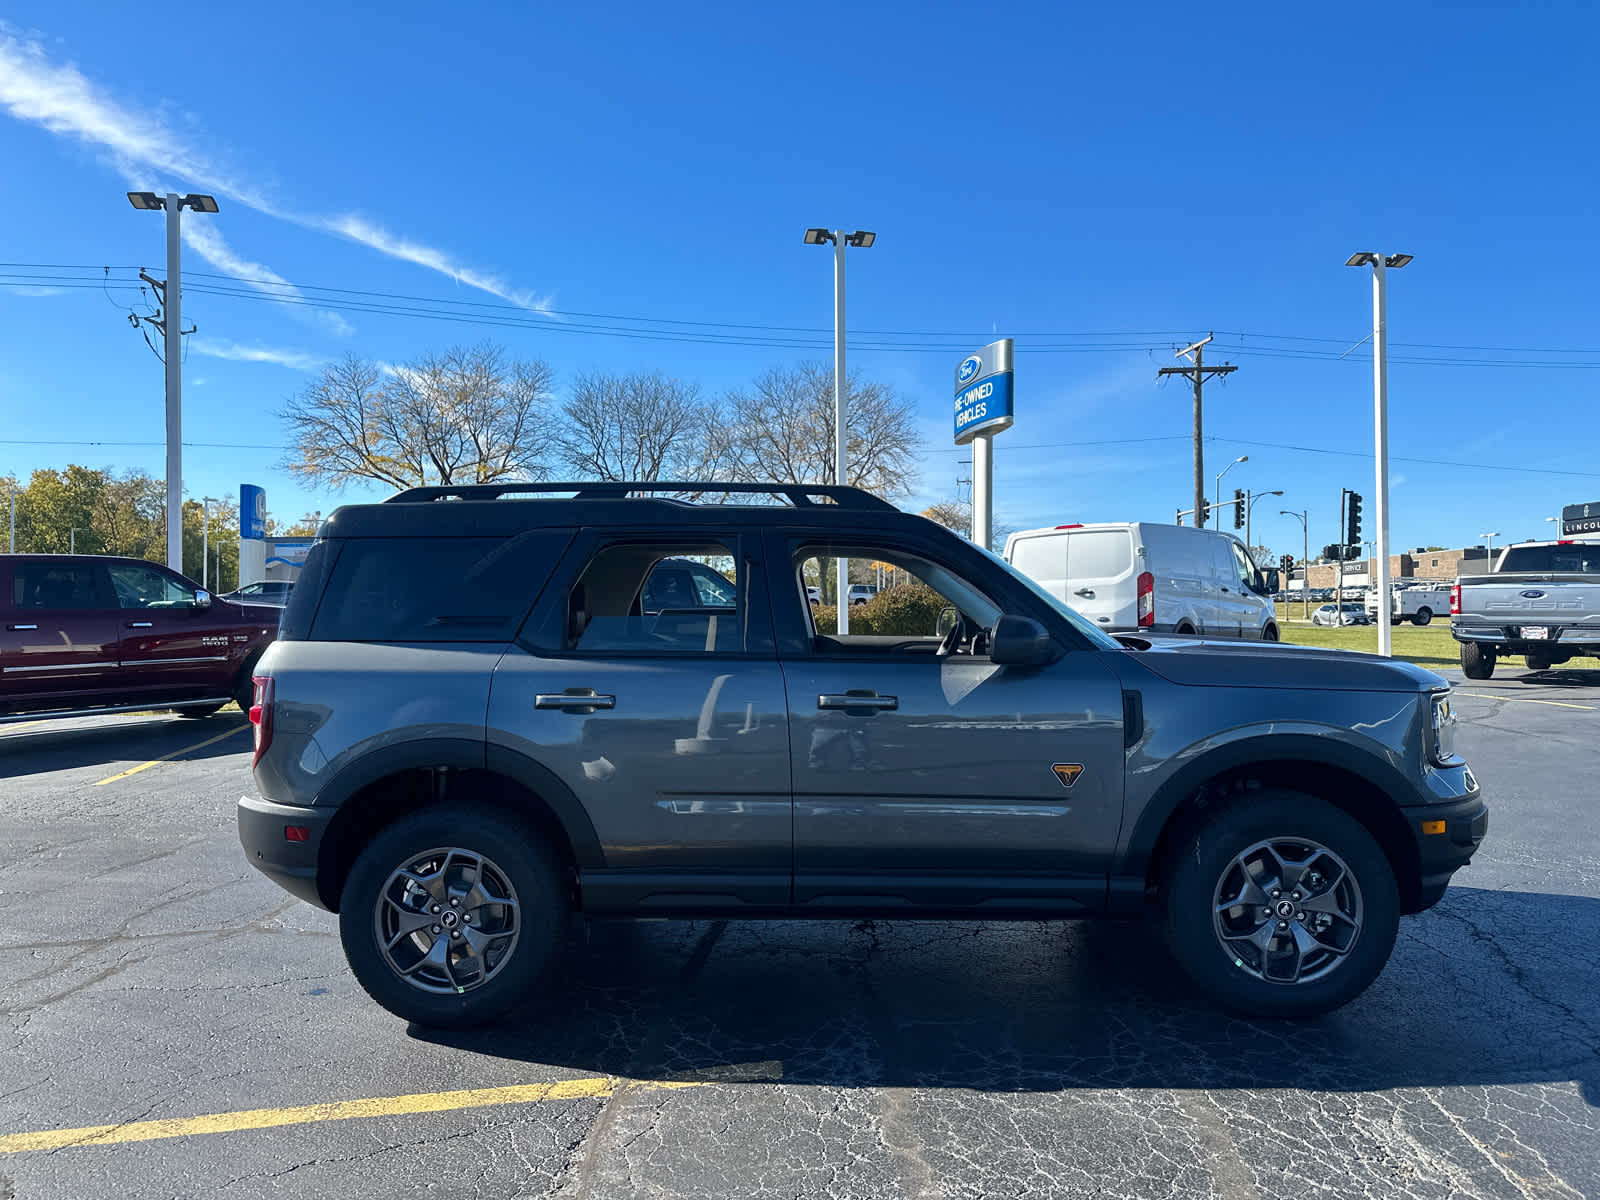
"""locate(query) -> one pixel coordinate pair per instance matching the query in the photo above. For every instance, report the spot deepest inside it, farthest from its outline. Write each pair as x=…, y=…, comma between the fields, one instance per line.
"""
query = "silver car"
x=1341, y=614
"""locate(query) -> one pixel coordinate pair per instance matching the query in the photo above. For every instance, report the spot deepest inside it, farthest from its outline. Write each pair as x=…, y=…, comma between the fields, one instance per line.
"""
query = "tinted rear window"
x=434, y=589
x=1583, y=559
x=1099, y=553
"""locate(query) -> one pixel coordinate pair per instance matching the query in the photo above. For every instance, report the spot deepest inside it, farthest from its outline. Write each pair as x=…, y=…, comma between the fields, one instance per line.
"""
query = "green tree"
x=57, y=503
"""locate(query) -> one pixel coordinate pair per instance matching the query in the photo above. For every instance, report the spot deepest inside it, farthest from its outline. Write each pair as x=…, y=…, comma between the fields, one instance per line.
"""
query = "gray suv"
x=486, y=710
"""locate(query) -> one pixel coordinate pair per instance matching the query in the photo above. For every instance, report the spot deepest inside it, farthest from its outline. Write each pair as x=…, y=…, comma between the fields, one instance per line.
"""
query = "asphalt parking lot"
x=175, y=1025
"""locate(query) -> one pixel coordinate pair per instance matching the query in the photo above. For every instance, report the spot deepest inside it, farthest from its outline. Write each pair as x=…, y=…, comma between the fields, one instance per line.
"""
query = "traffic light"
x=1353, y=525
x=1238, y=508
x=1205, y=513
x=1286, y=564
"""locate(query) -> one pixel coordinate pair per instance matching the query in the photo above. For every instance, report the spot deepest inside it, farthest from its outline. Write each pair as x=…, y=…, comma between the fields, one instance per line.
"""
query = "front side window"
x=1247, y=569
x=146, y=587
x=914, y=603
x=658, y=597
x=47, y=585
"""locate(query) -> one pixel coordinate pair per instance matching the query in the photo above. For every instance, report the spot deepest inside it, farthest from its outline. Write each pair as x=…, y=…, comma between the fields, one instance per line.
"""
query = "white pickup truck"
x=1419, y=605
x=1542, y=600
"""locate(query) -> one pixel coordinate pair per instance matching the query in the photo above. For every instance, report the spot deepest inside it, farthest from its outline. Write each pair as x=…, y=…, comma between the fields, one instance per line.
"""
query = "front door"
x=58, y=639
x=170, y=646
x=648, y=683
x=943, y=780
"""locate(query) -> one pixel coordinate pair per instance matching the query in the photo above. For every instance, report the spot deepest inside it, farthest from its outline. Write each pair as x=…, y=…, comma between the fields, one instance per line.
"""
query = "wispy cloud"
x=298, y=360
x=203, y=238
x=61, y=99
x=25, y=289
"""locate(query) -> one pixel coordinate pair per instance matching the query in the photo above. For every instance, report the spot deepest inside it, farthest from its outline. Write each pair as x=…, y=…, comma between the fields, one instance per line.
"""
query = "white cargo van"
x=1141, y=577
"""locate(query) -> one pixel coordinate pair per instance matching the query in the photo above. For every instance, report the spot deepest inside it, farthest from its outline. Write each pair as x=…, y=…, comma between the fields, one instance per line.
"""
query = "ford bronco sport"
x=484, y=712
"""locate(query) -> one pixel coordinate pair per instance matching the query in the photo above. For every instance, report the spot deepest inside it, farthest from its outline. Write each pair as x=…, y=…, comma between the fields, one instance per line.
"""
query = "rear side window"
x=658, y=597
x=48, y=585
x=1099, y=553
x=434, y=589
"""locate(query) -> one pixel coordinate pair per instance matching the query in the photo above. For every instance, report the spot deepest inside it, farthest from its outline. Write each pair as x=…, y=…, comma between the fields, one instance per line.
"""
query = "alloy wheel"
x=447, y=920
x=1287, y=910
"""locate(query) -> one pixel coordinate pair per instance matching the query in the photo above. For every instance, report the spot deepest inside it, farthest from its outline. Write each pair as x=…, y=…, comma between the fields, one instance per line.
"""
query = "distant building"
x=1419, y=564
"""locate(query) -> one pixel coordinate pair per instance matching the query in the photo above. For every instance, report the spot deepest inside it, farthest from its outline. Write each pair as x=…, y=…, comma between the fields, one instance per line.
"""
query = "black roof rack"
x=798, y=494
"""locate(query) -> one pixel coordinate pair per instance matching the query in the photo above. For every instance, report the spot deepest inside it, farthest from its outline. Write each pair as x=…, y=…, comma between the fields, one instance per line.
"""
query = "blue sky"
x=1129, y=175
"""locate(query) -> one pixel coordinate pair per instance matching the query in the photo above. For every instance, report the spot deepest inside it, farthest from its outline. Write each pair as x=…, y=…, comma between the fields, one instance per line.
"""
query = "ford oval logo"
x=968, y=368
x=1533, y=595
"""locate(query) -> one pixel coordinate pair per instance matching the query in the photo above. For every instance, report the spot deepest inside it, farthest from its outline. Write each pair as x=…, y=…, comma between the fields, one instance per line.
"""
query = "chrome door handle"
x=22, y=627
x=1084, y=592
x=574, y=700
x=858, y=700
x=141, y=624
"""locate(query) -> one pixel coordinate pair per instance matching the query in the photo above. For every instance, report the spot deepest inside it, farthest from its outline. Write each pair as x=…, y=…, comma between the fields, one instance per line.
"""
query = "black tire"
x=516, y=856
x=1185, y=630
x=1206, y=861
x=1422, y=616
x=1270, y=633
x=196, y=713
x=1540, y=662
x=1476, y=662
x=244, y=688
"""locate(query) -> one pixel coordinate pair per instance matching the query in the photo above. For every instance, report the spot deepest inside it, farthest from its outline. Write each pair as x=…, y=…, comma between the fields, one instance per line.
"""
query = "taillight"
x=261, y=715
x=1455, y=599
x=1147, y=600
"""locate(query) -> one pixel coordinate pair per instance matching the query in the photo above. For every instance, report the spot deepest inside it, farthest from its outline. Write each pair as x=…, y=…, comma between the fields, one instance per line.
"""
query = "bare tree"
x=952, y=514
x=642, y=426
x=468, y=415
x=782, y=429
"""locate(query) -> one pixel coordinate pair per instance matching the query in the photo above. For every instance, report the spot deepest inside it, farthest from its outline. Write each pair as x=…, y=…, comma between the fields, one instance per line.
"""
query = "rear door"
x=58, y=638
x=1101, y=581
x=664, y=716
x=169, y=645
x=1042, y=557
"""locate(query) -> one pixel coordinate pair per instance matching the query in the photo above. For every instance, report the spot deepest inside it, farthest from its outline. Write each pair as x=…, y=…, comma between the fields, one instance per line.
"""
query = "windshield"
x=1076, y=619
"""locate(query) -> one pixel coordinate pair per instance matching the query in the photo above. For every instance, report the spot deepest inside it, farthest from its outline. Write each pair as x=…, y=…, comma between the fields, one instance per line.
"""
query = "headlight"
x=1444, y=729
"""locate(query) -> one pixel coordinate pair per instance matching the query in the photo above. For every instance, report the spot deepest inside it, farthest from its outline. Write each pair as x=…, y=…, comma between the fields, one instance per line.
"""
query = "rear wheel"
x=451, y=918
x=1422, y=616
x=1185, y=629
x=1282, y=906
x=204, y=710
x=1476, y=662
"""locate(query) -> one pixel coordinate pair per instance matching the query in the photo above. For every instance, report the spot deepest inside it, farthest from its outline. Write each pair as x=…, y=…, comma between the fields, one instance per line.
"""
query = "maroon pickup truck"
x=83, y=634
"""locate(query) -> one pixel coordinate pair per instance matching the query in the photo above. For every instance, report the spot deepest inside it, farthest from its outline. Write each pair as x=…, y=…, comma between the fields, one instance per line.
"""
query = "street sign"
x=1580, y=519
x=252, y=512
x=983, y=392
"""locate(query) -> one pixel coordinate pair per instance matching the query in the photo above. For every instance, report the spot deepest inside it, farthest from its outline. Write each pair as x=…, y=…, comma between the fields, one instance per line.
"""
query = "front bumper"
x=1447, y=835
x=292, y=865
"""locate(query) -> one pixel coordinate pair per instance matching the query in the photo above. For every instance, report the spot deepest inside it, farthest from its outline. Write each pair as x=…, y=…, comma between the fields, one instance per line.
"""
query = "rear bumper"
x=1465, y=822
x=292, y=865
x=1509, y=637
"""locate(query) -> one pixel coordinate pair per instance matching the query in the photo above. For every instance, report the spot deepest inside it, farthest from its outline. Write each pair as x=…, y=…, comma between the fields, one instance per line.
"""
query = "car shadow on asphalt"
x=1570, y=677
x=1487, y=988
x=63, y=746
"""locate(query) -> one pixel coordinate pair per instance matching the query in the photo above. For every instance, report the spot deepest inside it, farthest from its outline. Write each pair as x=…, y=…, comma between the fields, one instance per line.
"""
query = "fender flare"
x=472, y=755
x=1258, y=748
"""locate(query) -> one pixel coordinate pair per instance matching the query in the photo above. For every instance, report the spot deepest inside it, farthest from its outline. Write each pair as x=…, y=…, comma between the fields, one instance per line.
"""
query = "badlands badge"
x=1067, y=772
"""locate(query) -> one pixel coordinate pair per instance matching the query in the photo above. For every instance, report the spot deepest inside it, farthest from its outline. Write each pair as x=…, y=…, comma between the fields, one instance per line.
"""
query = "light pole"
x=1250, y=499
x=172, y=352
x=1488, y=539
x=11, y=541
x=1216, y=490
x=1380, y=422
x=1305, y=559
x=205, y=541
x=72, y=540
x=840, y=239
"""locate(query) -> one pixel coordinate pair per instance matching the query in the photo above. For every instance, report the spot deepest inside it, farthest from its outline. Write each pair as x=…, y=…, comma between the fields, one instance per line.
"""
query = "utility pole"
x=1199, y=373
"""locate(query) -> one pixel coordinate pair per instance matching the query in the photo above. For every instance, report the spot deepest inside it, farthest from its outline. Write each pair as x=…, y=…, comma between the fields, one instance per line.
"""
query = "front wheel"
x=1282, y=906
x=1269, y=634
x=450, y=919
x=1476, y=662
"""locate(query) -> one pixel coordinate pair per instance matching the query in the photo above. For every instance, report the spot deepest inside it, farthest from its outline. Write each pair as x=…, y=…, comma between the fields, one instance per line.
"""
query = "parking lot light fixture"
x=1380, y=420
x=1216, y=488
x=1488, y=541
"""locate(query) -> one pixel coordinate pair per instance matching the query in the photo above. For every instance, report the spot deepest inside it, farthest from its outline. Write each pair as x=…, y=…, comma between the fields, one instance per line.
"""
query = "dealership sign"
x=252, y=512
x=1580, y=518
x=983, y=392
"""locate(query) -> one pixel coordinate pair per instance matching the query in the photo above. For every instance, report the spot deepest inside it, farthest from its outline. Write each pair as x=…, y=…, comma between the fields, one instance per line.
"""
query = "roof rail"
x=798, y=494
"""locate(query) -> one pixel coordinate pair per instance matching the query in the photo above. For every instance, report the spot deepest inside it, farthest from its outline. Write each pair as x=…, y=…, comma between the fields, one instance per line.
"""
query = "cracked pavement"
x=151, y=973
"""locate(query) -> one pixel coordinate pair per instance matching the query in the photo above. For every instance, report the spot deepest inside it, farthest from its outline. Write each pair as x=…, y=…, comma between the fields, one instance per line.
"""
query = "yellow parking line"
x=1526, y=700
x=594, y=1087
x=168, y=757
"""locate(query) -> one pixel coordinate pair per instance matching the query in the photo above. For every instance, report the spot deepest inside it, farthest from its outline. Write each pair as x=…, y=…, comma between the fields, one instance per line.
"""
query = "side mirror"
x=202, y=600
x=948, y=617
x=1019, y=642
